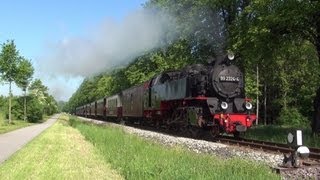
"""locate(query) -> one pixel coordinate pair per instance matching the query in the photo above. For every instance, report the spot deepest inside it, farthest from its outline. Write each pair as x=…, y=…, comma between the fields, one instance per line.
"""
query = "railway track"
x=249, y=143
x=268, y=146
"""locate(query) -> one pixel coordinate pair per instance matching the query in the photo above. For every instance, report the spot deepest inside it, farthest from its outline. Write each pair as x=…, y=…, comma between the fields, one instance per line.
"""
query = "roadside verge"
x=61, y=152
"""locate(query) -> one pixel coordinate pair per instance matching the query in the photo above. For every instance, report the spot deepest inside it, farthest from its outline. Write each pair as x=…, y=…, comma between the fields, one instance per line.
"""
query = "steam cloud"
x=112, y=44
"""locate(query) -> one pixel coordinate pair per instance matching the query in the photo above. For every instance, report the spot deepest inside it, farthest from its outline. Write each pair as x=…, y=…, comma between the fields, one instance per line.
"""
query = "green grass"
x=136, y=158
x=279, y=134
x=61, y=152
x=5, y=126
x=15, y=124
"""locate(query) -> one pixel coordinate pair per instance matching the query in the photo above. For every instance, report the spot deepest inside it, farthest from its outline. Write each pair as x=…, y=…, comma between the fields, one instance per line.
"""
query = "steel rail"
x=266, y=145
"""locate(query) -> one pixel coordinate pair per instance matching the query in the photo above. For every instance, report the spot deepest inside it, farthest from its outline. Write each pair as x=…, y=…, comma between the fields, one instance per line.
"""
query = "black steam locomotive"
x=198, y=97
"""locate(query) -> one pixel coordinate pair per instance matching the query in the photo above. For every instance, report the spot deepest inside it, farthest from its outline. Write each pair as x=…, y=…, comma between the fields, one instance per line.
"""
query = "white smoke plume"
x=111, y=44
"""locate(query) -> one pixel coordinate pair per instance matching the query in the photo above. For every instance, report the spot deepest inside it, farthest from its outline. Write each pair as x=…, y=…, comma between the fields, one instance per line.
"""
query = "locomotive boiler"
x=194, y=99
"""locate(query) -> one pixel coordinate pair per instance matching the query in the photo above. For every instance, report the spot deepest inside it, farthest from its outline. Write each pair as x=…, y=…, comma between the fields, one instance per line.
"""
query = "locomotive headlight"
x=224, y=105
x=248, y=106
x=230, y=56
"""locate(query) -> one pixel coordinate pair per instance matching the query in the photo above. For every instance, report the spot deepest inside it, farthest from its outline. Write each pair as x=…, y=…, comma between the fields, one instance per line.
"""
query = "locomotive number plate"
x=229, y=79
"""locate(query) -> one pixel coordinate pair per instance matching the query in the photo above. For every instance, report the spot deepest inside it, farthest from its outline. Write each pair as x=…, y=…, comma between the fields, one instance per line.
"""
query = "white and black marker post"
x=299, y=153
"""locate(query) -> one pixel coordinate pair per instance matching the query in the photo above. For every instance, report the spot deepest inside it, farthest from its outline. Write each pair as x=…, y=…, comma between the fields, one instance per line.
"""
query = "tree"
x=38, y=90
x=282, y=37
x=40, y=101
x=35, y=109
x=23, y=79
x=9, y=60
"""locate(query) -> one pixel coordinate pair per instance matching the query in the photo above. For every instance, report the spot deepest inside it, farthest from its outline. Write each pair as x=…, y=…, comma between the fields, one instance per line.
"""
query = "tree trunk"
x=317, y=40
x=257, y=109
x=265, y=104
x=25, y=106
x=315, y=125
x=10, y=95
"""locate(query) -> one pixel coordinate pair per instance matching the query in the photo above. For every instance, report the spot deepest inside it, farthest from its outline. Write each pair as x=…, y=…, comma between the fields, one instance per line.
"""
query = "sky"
x=42, y=29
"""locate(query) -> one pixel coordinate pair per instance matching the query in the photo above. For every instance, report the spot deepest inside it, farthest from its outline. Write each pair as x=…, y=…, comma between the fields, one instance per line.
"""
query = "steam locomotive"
x=195, y=99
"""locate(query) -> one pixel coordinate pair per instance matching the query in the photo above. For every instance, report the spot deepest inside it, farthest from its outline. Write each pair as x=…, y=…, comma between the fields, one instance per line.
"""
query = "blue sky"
x=34, y=24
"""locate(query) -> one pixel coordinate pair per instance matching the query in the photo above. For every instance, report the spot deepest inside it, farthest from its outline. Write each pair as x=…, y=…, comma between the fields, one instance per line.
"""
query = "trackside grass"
x=61, y=152
x=279, y=134
x=136, y=158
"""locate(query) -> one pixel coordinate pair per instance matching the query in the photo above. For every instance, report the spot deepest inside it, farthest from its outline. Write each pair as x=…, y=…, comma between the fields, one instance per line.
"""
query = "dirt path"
x=13, y=141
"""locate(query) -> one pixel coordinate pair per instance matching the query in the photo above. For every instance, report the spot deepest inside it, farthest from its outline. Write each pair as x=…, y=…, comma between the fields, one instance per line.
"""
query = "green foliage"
x=39, y=92
x=276, y=133
x=51, y=106
x=23, y=78
x=34, y=110
x=24, y=74
x=17, y=108
x=9, y=59
x=61, y=105
x=292, y=117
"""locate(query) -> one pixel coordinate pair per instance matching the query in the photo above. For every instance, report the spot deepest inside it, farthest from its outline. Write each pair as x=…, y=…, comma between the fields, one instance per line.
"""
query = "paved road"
x=15, y=140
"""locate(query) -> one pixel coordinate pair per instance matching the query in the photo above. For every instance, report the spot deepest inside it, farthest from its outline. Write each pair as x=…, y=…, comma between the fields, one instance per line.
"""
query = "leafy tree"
x=61, y=105
x=52, y=106
x=278, y=37
x=38, y=90
x=9, y=60
x=40, y=97
x=23, y=79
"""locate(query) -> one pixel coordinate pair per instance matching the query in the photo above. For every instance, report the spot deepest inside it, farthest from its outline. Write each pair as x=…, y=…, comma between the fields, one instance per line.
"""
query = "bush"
x=292, y=117
x=16, y=108
x=34, y=111
x=72, y=121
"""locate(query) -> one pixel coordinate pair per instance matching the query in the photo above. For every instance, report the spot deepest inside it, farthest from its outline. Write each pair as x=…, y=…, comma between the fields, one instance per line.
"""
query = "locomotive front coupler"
x=299, y=152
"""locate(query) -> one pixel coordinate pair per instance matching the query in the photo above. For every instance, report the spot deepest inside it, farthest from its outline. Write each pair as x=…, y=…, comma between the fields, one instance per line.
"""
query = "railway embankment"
x=223, y=151
x=145, y=154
